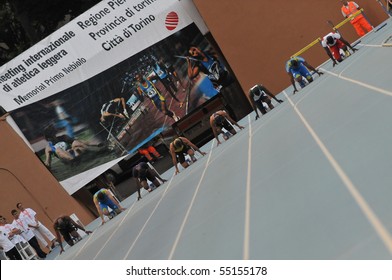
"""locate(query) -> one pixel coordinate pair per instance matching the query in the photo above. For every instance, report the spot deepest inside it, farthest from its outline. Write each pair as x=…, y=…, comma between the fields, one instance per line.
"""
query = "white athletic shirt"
x=27, y=233
x=258, y=92
x=334, y=35
x=7, y=228
x=5, y=243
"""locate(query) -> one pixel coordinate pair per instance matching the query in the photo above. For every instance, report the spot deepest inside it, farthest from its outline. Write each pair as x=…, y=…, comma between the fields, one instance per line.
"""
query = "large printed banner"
x=108, y=82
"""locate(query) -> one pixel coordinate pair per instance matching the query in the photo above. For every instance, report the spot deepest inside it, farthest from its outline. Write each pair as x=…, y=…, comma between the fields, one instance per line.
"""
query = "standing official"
x=359, y=22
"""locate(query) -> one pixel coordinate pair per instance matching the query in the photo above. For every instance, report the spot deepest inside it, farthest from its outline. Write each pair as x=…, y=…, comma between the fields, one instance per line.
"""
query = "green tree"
x=26, y=22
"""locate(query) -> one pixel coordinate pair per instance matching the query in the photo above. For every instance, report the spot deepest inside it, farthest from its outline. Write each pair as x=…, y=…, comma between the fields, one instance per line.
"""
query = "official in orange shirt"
x=359, y=22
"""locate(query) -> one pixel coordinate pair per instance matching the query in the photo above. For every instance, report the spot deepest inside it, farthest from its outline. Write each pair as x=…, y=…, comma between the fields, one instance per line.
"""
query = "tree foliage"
x=25, y=22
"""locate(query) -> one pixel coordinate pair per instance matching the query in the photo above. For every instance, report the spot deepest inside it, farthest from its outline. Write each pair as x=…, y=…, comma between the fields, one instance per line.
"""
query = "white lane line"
x=366, y=45
x=380, y=90
x=245, y=255
x=363, y=205
x=91, y=235
x=84, y=245
x=148, y=219
x=190, y=205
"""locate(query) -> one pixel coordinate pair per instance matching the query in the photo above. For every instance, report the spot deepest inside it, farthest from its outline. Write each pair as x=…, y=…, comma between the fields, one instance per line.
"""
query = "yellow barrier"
x=334, y=28
x=307, y=47
x=348, y=19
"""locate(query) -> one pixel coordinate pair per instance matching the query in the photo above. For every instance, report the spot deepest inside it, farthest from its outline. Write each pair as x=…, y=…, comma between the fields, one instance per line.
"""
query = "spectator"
x=39, y=230
x=13, y=233
x=21, y=223
x=8, y=247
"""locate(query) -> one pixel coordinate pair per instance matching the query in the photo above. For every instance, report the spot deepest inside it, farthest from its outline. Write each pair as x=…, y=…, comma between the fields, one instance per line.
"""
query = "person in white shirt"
x=259, y=94
x=40, y=231
x=27, y=233
x=332, y=44
x=14, y=235
x=6, y=245
x=359, y=22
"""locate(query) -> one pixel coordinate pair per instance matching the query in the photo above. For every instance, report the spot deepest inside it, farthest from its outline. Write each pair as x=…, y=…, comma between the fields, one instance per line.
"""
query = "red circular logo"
x=171, y=20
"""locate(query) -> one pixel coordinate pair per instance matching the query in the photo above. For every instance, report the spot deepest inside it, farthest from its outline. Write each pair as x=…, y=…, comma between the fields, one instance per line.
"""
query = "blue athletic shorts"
x=301, y=71
x=107, y=203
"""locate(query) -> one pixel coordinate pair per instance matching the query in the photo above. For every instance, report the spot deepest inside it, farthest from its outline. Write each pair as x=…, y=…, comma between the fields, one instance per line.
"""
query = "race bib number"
x=151, y=92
